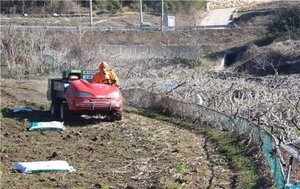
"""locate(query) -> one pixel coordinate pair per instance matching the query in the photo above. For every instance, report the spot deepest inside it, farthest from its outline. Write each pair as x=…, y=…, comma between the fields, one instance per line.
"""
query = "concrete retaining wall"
x=141, y=52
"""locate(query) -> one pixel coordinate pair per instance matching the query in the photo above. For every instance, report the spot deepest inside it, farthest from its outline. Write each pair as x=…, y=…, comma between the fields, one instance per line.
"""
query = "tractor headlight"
x=115, y=94
x=83, y=94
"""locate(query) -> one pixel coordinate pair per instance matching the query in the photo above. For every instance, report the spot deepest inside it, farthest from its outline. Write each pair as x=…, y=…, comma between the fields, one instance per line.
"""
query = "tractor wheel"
x=115, y=115
x=55, y=108
x=65, y=113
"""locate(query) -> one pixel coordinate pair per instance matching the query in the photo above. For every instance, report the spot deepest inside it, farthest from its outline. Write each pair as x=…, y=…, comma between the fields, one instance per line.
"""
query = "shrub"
x=287, y=22
x=114, y=7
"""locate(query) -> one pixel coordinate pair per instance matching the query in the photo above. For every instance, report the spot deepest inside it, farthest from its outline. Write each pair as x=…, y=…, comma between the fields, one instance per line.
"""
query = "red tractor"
x=74, y=95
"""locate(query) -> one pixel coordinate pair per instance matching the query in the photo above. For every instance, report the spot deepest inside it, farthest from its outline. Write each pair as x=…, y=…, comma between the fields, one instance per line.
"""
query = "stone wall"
x=213, y=4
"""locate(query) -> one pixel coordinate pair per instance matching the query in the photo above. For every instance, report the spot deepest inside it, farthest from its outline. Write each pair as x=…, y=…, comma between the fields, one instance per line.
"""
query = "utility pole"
x=91, y=13
x=141, y=12
x=162, y=15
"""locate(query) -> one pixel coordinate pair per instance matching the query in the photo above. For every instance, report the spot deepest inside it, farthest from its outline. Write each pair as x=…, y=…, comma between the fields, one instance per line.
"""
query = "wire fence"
x=200, y=114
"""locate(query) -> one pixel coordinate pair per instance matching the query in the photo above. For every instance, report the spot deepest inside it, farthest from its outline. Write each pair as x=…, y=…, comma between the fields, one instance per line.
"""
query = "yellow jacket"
x=104, y=75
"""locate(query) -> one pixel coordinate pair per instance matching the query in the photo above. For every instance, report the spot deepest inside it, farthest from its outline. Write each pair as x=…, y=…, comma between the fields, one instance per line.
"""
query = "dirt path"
x=136, y=152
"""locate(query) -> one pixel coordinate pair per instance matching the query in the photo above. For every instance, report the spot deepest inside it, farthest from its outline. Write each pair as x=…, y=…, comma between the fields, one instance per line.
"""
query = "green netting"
x=201, y=114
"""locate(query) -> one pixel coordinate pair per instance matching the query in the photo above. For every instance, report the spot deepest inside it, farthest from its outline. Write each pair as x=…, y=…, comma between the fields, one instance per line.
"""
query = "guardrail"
x=134, y=28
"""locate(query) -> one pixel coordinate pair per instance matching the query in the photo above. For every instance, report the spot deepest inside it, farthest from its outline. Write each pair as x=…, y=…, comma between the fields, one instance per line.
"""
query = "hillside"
x=248, y=49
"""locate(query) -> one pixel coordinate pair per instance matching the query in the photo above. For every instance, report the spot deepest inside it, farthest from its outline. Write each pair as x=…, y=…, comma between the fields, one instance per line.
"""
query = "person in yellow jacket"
x=105, y=75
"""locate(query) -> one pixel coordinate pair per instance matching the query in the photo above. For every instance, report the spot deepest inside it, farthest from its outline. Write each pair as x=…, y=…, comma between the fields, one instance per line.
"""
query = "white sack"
x=47, y=125
x=42, y=166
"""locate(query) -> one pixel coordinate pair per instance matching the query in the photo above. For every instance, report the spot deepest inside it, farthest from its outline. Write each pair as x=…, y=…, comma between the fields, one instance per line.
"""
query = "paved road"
x=218, y=17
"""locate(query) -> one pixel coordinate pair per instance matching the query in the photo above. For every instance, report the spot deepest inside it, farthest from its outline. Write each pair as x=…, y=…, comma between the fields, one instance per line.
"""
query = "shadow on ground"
x=45, y=116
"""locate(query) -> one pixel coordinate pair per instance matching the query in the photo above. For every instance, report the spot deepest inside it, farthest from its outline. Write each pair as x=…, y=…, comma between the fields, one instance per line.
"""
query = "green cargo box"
x=57, y=86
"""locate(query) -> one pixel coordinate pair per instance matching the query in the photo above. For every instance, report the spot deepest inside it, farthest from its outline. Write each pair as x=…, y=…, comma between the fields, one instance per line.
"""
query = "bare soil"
x=136, y=152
